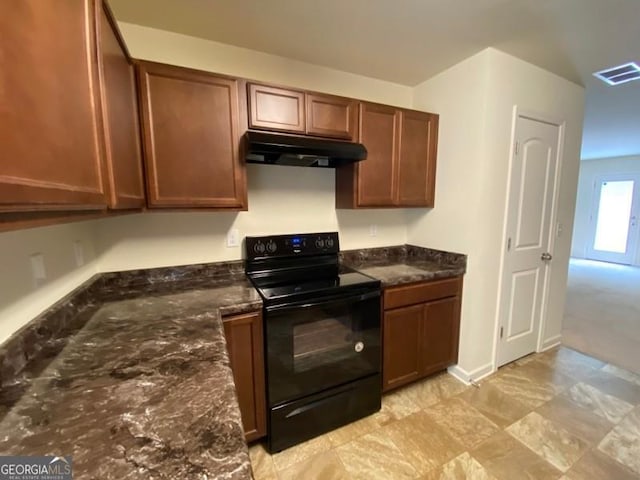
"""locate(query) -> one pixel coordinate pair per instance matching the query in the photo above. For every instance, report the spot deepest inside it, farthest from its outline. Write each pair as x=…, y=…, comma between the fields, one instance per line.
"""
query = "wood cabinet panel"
x=420, y=292
x=440, y=335
x=329, y=116
x=120, y=116
x=191, y=138
x=277, y=109
x=417, y=159
x=51, y=144
x=376, y=176
x=420, y=339
x=244, y=337
x=401, y=163
x=402, y=346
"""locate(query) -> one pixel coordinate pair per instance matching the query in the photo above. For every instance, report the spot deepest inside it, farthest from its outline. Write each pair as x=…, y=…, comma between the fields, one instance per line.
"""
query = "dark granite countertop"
x=404, y=264
x=131, y=377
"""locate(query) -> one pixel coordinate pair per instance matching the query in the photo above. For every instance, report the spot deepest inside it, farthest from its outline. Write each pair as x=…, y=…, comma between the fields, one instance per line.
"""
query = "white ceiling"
x=408, y=41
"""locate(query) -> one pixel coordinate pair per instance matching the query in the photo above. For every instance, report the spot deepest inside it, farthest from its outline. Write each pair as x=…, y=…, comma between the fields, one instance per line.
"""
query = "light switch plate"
x=78, y=253
x=373, y=230
x=233, y=238
x=38, y=270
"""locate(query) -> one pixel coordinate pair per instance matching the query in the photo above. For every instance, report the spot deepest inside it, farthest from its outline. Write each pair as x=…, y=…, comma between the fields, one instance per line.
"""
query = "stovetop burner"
x=294, y=267
x=271, y=290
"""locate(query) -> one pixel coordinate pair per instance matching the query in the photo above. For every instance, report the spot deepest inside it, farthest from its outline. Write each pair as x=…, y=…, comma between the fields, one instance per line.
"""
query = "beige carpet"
x=602, y=313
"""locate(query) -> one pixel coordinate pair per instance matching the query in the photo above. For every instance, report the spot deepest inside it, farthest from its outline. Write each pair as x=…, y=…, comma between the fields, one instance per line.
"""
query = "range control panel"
x=291, y=245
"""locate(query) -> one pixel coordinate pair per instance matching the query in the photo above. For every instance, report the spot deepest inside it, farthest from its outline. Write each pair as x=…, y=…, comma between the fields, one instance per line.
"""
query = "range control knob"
x=258, y=248
x=271, y=246
x=329, y=242
x=319, y=242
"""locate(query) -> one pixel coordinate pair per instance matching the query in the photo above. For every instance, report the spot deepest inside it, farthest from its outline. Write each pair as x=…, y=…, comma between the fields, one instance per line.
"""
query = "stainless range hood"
x=271, y=148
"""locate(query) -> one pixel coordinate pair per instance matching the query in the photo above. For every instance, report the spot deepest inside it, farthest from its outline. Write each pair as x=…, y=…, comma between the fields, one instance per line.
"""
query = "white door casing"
x=624, y=254
x=534, y=177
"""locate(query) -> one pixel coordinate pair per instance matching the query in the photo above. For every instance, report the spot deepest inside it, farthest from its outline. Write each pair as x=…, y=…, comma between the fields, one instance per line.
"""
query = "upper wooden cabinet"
x=69, y=116
x=120, y=116
x=191, y=130
x=400, y=167
x=329, y=116
x=51, y=138
x=417, y=159
x=296, y=111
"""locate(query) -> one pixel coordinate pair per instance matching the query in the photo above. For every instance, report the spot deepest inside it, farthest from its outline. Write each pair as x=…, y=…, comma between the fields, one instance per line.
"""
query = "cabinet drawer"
x=420, y=292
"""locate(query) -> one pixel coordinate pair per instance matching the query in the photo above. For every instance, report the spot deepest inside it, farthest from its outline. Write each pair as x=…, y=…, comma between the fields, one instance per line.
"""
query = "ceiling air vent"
x=620, y=74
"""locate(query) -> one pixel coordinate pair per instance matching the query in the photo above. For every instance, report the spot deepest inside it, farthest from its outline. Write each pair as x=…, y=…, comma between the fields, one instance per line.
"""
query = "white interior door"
x=614, y=219
x=531, y=195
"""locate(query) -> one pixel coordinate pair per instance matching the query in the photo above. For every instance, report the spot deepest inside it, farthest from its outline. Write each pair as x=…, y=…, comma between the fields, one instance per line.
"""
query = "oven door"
x=315, y=345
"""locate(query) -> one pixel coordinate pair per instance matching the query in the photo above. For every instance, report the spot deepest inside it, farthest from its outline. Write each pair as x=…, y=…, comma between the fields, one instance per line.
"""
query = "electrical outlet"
x=233, y=238
x=559, y=229
x=373, y=230
x=37, y=269
x=78, y=253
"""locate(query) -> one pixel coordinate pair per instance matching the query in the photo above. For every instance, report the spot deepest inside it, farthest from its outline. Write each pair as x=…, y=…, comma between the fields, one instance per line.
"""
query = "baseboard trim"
x=549, y=343
x=475, y=375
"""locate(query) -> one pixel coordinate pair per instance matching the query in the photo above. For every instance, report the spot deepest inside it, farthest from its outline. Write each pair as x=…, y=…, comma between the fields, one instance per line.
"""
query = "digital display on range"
x=296, y=241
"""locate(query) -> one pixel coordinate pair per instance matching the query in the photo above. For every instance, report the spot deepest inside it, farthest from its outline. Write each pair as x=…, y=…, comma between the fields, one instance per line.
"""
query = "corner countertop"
x=141, y=389
x=130, y=374
x=405, y=264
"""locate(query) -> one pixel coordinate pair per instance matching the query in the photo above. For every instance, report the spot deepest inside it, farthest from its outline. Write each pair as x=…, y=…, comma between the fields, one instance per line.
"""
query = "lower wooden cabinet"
x=246, y=353
x=402, y=346
x=420, y=330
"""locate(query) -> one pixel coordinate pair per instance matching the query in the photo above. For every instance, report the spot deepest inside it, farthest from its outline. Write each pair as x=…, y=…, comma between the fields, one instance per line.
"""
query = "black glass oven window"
x=323, y=337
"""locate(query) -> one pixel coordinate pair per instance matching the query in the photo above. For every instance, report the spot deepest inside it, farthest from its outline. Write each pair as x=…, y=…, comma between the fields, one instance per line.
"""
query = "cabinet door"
x=417, y=159
x=329, y=116
x=245, y=347
x=402, y=346
x=191, y=138
x=51, y=139
x=120, y=113
x=376, y=176
x=440, y=334
x=272, y=108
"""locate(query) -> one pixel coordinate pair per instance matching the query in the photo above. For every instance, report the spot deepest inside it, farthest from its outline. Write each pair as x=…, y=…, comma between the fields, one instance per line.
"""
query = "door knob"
x=546, y=256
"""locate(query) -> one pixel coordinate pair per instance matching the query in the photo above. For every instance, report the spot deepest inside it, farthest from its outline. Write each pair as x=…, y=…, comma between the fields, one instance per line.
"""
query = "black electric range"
x=322, y=335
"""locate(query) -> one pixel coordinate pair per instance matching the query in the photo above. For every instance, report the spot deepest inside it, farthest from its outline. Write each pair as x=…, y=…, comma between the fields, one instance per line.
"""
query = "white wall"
x=475, y=100
x=281, y=200
x=589, y=171
x=20, y=299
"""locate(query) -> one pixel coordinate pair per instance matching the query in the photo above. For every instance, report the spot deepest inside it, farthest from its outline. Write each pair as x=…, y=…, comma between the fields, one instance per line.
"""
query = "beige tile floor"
x=555, y=415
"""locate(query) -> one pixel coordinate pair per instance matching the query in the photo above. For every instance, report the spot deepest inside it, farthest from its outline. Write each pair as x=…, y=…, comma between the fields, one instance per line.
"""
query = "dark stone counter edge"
x=407, y=254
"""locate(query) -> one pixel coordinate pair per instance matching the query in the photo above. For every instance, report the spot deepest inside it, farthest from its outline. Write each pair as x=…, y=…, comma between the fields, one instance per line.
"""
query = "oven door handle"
x=325, y=300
